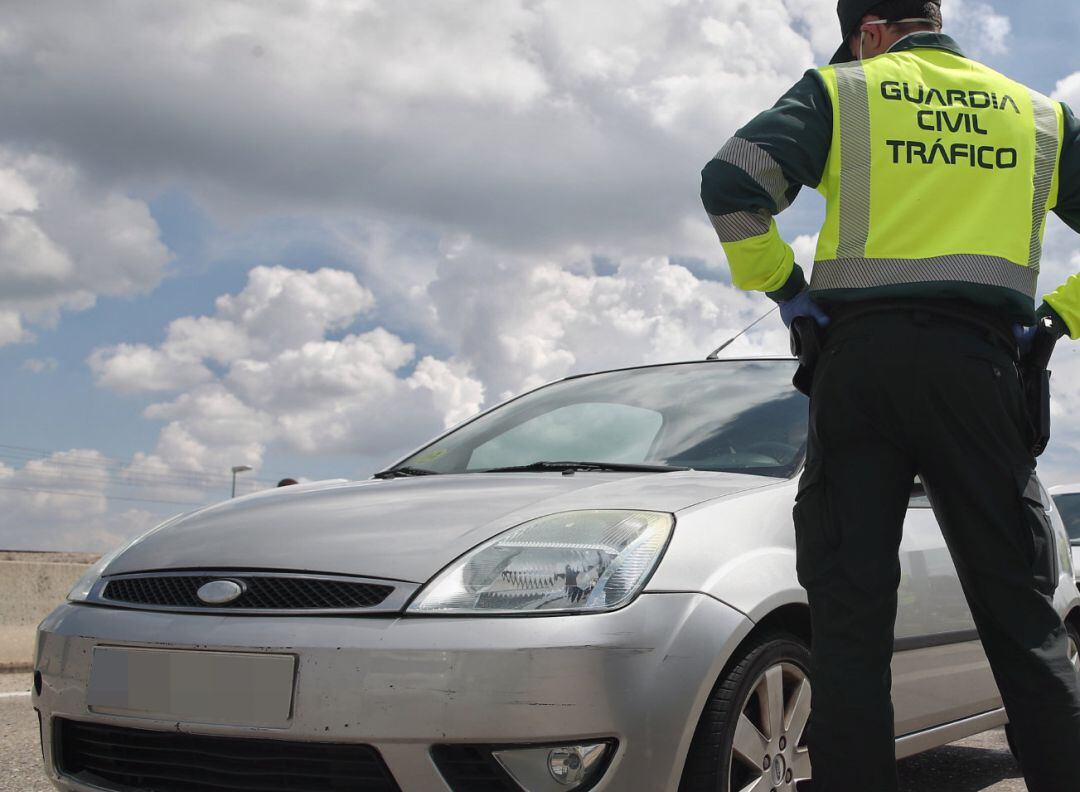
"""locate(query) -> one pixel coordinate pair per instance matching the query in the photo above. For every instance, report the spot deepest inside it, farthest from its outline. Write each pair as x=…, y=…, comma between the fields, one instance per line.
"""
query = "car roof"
x=1065, y=489
x=750, y=359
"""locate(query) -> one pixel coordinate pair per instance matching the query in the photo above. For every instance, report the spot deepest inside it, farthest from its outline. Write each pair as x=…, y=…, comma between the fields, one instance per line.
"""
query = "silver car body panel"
x=640, y=674
x=1070, y=489
x=401, y=529
x=402, y=684
x=742, y=551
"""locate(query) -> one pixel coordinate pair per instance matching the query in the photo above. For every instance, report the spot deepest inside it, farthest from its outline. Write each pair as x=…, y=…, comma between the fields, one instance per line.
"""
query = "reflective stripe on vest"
x=756, y=162
x=872, y=273
x=1046, y=160
x=941, y=170
x=855, y=153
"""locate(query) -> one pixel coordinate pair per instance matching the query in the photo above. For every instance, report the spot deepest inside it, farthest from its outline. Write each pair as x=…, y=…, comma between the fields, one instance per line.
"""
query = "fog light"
x=559, y=767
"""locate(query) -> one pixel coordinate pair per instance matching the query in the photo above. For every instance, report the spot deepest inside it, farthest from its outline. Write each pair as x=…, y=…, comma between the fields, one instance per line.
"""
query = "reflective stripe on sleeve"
x=1046, y=156
x=757, y=163
x=854, y=101
x=737, y=226
x=864, y=273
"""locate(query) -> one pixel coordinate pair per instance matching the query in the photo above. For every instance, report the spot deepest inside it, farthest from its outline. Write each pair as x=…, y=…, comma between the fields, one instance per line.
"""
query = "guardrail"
x=31, y=585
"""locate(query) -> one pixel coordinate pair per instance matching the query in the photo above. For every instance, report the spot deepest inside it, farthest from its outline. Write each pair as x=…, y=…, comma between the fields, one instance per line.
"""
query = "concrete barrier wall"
x=31, y=585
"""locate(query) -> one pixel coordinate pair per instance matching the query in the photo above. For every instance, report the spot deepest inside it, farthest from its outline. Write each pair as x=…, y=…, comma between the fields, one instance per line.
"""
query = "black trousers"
x=896, y=394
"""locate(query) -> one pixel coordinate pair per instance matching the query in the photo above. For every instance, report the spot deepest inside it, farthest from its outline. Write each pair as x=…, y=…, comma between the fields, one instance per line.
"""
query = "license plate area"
x=228, y=688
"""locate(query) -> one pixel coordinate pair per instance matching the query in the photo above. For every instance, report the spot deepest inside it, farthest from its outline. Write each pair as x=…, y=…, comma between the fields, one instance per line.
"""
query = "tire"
x=760, y=703
x=1074, y=658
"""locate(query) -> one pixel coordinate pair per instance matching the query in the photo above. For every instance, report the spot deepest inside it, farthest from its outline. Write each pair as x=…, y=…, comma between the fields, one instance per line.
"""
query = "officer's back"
x=938, y=175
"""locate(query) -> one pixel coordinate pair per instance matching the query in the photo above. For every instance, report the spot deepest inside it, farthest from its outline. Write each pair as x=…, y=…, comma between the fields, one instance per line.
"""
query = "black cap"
x=851, y=13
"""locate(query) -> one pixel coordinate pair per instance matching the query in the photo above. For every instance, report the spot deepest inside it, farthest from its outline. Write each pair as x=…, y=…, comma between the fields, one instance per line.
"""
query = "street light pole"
x=237, y=469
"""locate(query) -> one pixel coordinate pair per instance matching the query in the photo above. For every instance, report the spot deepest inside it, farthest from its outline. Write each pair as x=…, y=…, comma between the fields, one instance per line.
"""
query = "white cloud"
x=521, y=122
x=510, y=325
x=129, y=368
x=525, y=322
x=1062, y=461
x=285, y=380
x=475, y=160
x=64, y=242
x=979, y=28
x=532, y=125
x=817, y=20
x=279, y=309
x=1068, y=90
x=1061, y=465
x=282, y=308
x=40, y=365
x=60, y=502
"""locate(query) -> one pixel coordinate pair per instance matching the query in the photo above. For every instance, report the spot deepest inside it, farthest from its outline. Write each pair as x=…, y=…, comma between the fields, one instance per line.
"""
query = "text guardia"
x=960, y=114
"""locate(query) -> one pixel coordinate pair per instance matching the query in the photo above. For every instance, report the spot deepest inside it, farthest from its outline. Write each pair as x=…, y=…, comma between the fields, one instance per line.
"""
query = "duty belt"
x=807, y=341
x=955, y=312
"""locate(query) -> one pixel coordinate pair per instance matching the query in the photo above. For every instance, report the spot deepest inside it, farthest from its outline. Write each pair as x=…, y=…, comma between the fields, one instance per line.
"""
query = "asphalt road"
x=979, y=764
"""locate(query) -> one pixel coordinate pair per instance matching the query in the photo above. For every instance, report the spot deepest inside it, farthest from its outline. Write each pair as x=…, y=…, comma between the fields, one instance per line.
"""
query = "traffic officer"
x=938, y=175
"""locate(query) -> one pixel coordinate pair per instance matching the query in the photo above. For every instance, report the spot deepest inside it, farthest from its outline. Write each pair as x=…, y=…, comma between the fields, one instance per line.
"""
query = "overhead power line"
x=74, y=494
x=123, y=473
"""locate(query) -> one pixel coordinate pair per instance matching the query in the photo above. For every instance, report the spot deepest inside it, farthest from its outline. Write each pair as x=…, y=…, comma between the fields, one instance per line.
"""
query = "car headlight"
x=80, y=592
x=572, y=561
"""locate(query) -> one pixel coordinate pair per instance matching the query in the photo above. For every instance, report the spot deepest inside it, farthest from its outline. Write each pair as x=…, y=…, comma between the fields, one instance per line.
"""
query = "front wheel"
x=750, y=737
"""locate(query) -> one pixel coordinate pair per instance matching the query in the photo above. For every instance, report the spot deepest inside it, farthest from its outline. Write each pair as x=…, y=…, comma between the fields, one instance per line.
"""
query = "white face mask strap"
x=910, y=20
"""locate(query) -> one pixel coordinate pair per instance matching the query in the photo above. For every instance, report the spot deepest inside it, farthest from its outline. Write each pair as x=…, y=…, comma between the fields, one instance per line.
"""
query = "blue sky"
x=308, y=236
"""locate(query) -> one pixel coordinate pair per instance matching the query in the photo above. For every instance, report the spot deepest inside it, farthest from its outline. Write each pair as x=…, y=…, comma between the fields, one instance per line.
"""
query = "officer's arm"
x=1064, y=304
x=757, y=174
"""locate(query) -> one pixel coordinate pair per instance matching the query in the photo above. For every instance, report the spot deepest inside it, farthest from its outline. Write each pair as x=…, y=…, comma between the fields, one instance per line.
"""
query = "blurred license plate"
x=196, y=687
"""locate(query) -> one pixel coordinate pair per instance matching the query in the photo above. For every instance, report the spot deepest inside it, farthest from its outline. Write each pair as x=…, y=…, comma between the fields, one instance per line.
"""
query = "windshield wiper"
x=404, y=471
x=618, y=467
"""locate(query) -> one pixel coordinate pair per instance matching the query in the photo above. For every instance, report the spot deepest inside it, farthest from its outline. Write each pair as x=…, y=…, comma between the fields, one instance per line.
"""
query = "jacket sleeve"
x=1064, y=304
x=757, y=174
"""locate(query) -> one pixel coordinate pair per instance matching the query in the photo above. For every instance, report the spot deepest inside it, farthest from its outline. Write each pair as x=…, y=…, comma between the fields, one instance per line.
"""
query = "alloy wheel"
x=768, y=752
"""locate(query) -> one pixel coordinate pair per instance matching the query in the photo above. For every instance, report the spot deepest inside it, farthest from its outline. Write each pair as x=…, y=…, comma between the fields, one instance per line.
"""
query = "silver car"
x=1067, y=499
x=590, y=586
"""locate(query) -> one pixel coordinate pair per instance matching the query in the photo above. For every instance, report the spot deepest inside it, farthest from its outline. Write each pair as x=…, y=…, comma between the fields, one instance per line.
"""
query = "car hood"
x=404, y=529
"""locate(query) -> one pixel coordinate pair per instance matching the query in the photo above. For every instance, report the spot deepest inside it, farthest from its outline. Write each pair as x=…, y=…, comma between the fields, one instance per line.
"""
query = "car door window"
x=589, y=431
x=1069, y=506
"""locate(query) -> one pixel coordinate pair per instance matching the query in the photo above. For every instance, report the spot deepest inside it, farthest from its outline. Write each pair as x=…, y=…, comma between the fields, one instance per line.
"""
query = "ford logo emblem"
x=219, y=592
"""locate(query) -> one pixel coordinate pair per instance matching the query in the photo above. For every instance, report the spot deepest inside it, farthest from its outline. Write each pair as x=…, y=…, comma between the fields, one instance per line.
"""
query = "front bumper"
x=639, y=675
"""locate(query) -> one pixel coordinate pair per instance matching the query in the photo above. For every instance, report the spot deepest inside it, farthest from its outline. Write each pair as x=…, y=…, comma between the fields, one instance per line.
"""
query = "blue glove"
x=1025, y=337
x=802, y=305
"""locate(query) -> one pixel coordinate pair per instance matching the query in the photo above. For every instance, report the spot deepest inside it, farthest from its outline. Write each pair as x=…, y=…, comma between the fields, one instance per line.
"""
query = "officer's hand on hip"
x=802, y=305
x=1041, y=336
x=1025, y=337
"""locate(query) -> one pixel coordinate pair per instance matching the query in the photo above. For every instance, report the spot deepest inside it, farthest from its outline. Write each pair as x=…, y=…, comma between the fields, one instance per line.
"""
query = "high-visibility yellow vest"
x=941, y=171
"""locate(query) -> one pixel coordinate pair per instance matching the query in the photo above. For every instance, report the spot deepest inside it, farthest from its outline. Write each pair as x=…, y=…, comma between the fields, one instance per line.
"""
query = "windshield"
x=1069, y=506
x=734, y=416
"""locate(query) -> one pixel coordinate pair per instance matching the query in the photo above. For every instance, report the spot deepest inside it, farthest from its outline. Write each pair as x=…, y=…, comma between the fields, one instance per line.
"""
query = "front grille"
x=267, y=592
x=119, y=758
x=472, y=768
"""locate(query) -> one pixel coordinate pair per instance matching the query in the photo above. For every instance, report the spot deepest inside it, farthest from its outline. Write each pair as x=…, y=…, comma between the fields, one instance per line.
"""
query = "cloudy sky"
x=306, y=235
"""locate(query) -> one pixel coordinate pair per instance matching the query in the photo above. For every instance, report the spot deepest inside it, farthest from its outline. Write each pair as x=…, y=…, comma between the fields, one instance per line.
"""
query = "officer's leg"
x=849, y=517
x=978, y=472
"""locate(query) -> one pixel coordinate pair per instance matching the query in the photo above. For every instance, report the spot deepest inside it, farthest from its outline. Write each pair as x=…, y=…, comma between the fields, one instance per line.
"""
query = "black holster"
x=806, y=346
x=1035, y=375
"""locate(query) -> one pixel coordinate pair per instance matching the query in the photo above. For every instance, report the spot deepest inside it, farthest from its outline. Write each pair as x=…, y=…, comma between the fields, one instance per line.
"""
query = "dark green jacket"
x=797, y=134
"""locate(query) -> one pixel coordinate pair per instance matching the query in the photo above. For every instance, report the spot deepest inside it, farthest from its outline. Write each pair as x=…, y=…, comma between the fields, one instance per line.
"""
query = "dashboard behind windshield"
x=732, y=416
